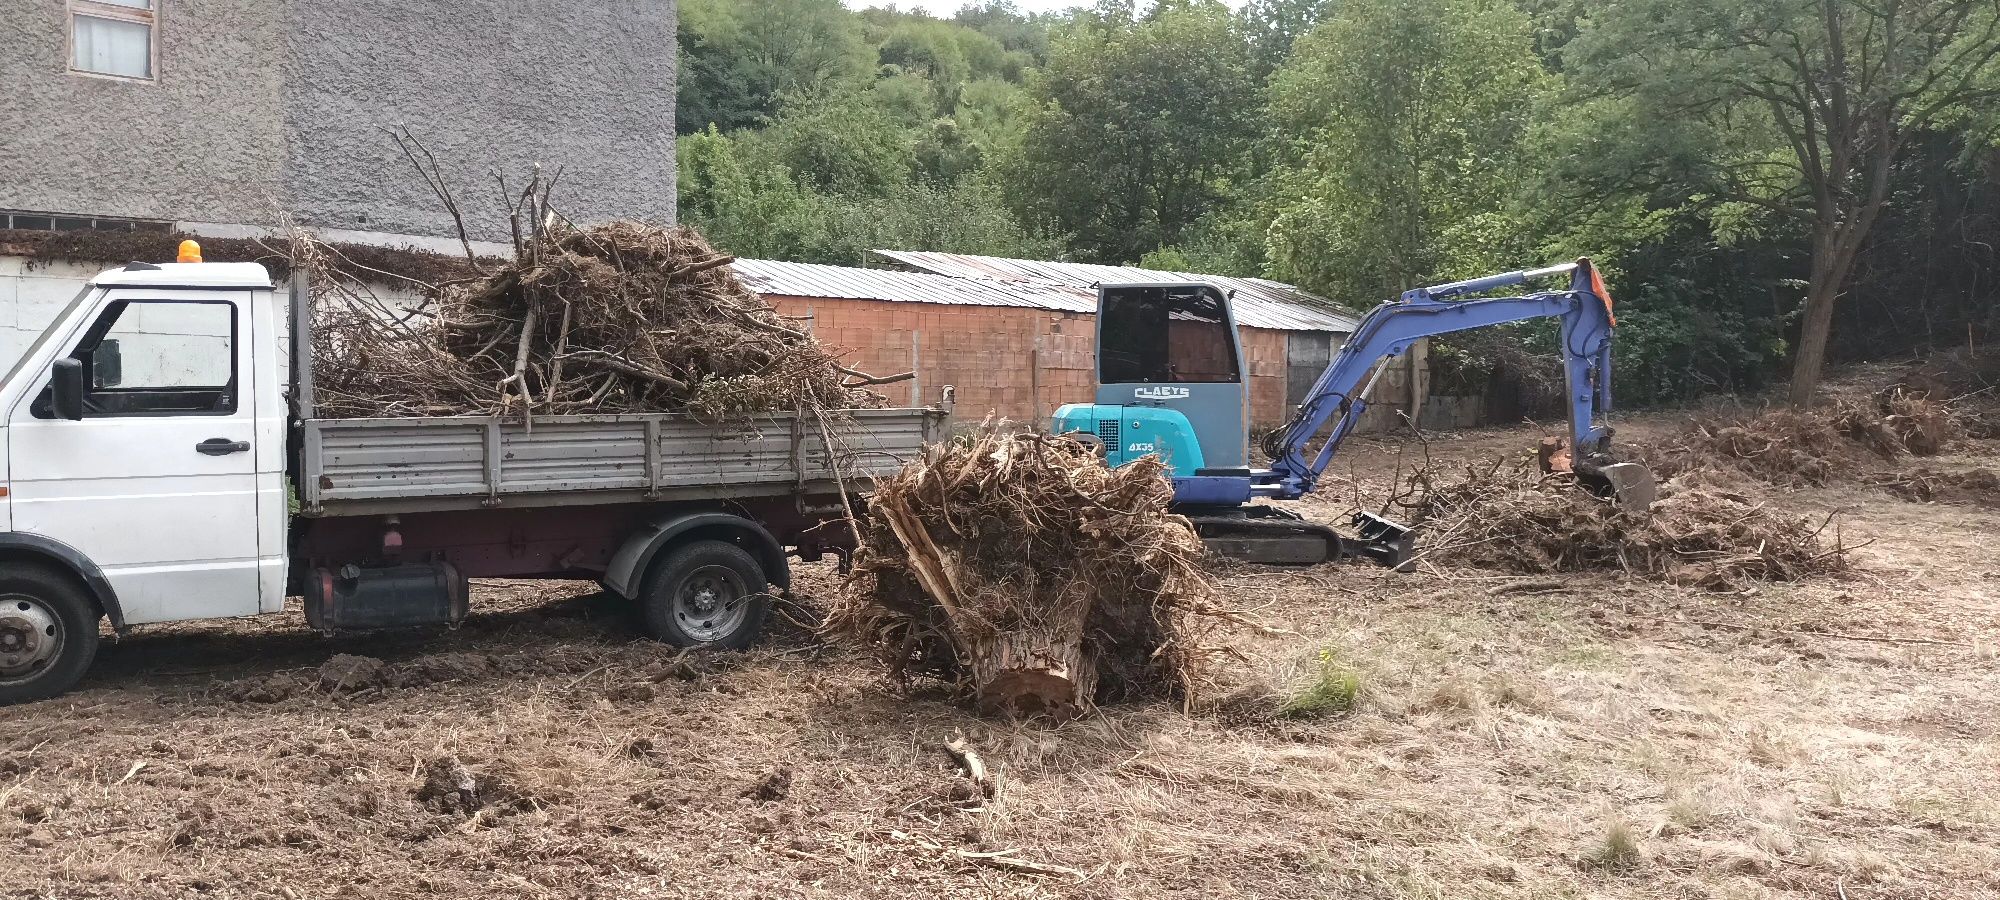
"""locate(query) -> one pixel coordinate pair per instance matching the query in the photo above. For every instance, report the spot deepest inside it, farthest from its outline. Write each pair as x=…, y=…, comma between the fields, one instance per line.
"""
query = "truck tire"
x=707, y=594
x=48, y=632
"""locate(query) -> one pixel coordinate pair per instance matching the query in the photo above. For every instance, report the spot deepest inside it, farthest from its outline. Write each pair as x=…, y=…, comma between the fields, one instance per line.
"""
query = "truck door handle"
x=221, y=446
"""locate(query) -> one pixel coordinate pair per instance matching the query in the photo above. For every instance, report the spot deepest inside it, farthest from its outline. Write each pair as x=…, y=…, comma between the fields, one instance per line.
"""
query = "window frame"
x=232, y=388
x=149, y=17
x=1171, y=296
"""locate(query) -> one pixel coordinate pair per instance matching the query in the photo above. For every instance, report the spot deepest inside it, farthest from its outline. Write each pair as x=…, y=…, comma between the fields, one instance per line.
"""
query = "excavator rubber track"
x=1278, y=537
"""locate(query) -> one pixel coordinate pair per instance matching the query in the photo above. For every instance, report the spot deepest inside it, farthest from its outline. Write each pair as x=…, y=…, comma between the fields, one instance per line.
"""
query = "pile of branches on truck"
x=620, y=317
x=1029, y=577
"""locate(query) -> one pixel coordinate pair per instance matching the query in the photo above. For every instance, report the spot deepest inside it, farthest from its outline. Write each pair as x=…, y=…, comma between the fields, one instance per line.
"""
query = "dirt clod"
x=347, y=673
x=775, y=785
x=442, y=668
x=450, y=786
x=267, y=689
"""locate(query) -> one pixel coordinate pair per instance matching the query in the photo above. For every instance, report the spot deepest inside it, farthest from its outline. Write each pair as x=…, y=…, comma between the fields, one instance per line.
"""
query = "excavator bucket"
x=1630, y=484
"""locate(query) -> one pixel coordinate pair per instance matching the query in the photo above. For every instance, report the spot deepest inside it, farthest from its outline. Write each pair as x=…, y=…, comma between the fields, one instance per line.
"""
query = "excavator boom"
x=1388, y=331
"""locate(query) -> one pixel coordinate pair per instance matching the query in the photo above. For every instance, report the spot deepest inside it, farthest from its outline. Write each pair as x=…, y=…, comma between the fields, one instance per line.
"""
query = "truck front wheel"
x=48, y=633
x=705, y=594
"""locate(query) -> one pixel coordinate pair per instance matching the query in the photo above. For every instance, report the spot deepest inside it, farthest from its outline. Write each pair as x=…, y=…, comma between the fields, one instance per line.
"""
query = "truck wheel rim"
x=711, y=603
x=31, y=637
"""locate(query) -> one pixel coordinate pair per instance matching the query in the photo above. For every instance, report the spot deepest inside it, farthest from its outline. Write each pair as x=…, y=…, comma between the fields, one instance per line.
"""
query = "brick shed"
x=1018, y=347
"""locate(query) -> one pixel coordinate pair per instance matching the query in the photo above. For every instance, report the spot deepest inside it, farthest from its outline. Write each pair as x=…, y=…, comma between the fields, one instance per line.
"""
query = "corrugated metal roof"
x=1258, y=302
x=792, y=279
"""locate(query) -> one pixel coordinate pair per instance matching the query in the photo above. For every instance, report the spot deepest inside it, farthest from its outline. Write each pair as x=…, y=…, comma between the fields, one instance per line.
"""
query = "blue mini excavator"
x=1171, y=382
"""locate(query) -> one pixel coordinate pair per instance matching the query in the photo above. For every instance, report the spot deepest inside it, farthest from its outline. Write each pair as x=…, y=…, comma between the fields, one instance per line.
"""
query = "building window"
x=113, y=37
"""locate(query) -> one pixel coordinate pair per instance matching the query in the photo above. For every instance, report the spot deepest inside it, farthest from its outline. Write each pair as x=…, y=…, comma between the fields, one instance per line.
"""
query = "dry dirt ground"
x=1509, y=737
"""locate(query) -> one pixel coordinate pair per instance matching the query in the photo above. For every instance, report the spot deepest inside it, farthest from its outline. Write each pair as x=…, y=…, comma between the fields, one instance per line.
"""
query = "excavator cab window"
x=1165, y=334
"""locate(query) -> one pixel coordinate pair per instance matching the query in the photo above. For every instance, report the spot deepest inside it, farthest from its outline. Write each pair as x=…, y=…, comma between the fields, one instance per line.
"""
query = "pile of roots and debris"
x=1027, y=575
x=622, y=317
x=1516, y=519
x=1965, y=379
x=1924, y=484
x=1818, y=445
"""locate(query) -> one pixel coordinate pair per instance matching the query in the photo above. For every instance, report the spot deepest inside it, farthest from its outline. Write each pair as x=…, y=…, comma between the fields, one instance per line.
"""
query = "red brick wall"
x=1264, y=355
x=998, y=356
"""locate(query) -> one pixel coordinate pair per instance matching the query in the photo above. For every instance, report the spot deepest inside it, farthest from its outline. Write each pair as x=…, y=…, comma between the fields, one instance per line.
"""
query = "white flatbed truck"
x=150, y=479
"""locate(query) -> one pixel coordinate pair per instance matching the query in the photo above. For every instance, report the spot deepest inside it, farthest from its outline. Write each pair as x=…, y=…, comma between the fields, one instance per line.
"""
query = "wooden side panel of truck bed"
x=373, y=466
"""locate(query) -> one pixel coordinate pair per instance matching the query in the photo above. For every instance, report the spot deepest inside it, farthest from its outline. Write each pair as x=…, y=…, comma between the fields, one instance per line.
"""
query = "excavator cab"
x=1170, y=383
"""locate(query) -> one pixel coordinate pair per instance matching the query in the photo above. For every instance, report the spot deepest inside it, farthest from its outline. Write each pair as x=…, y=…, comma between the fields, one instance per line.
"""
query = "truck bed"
x=376, y=466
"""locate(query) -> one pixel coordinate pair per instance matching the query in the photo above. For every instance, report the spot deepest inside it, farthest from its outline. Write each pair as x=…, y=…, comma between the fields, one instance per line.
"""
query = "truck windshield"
x=48, y=334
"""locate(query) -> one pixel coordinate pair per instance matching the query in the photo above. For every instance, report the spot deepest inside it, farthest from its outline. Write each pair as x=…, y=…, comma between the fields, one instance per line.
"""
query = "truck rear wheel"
x=706, y=594
x=48, y=633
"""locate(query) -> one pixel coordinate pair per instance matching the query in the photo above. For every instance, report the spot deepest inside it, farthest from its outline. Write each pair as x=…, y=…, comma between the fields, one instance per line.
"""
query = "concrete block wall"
x=263, y=110
x=161, y=345
x=31, y=294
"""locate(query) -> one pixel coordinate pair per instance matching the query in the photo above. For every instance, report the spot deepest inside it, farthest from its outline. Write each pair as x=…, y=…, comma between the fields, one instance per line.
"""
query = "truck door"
x=157, y=484
x=1175, y=346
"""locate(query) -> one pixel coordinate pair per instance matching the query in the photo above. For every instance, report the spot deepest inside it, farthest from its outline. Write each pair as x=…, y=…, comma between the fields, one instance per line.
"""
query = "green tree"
x=1403, y=125
x=1018, y=32
x=741, y=61
x=1272, y=26
x=930, y=48
x=1790, y=113
x=745, y=202
x=1132, y=130
x=847, y=146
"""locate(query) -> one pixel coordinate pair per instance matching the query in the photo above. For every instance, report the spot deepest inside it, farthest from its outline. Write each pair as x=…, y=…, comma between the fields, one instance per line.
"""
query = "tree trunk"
x=1039, y=672
x=1832, y=258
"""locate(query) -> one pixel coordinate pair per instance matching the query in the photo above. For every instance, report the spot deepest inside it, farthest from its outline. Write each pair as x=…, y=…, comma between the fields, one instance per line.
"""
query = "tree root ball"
x=1030, y=578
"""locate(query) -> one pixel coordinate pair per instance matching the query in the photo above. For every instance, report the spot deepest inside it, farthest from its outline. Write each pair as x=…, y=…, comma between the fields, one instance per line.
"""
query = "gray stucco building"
x=223, y=116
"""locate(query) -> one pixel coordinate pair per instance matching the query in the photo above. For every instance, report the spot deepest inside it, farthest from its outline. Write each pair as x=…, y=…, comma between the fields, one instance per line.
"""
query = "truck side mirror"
x=66, y=389
x=107, y=364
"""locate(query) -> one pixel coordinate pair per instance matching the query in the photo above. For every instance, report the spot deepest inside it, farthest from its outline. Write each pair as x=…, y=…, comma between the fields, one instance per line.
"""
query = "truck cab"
x=144, y=438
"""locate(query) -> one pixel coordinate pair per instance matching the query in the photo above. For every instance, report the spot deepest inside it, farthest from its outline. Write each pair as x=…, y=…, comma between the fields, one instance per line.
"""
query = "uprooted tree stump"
x=1030, y=577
